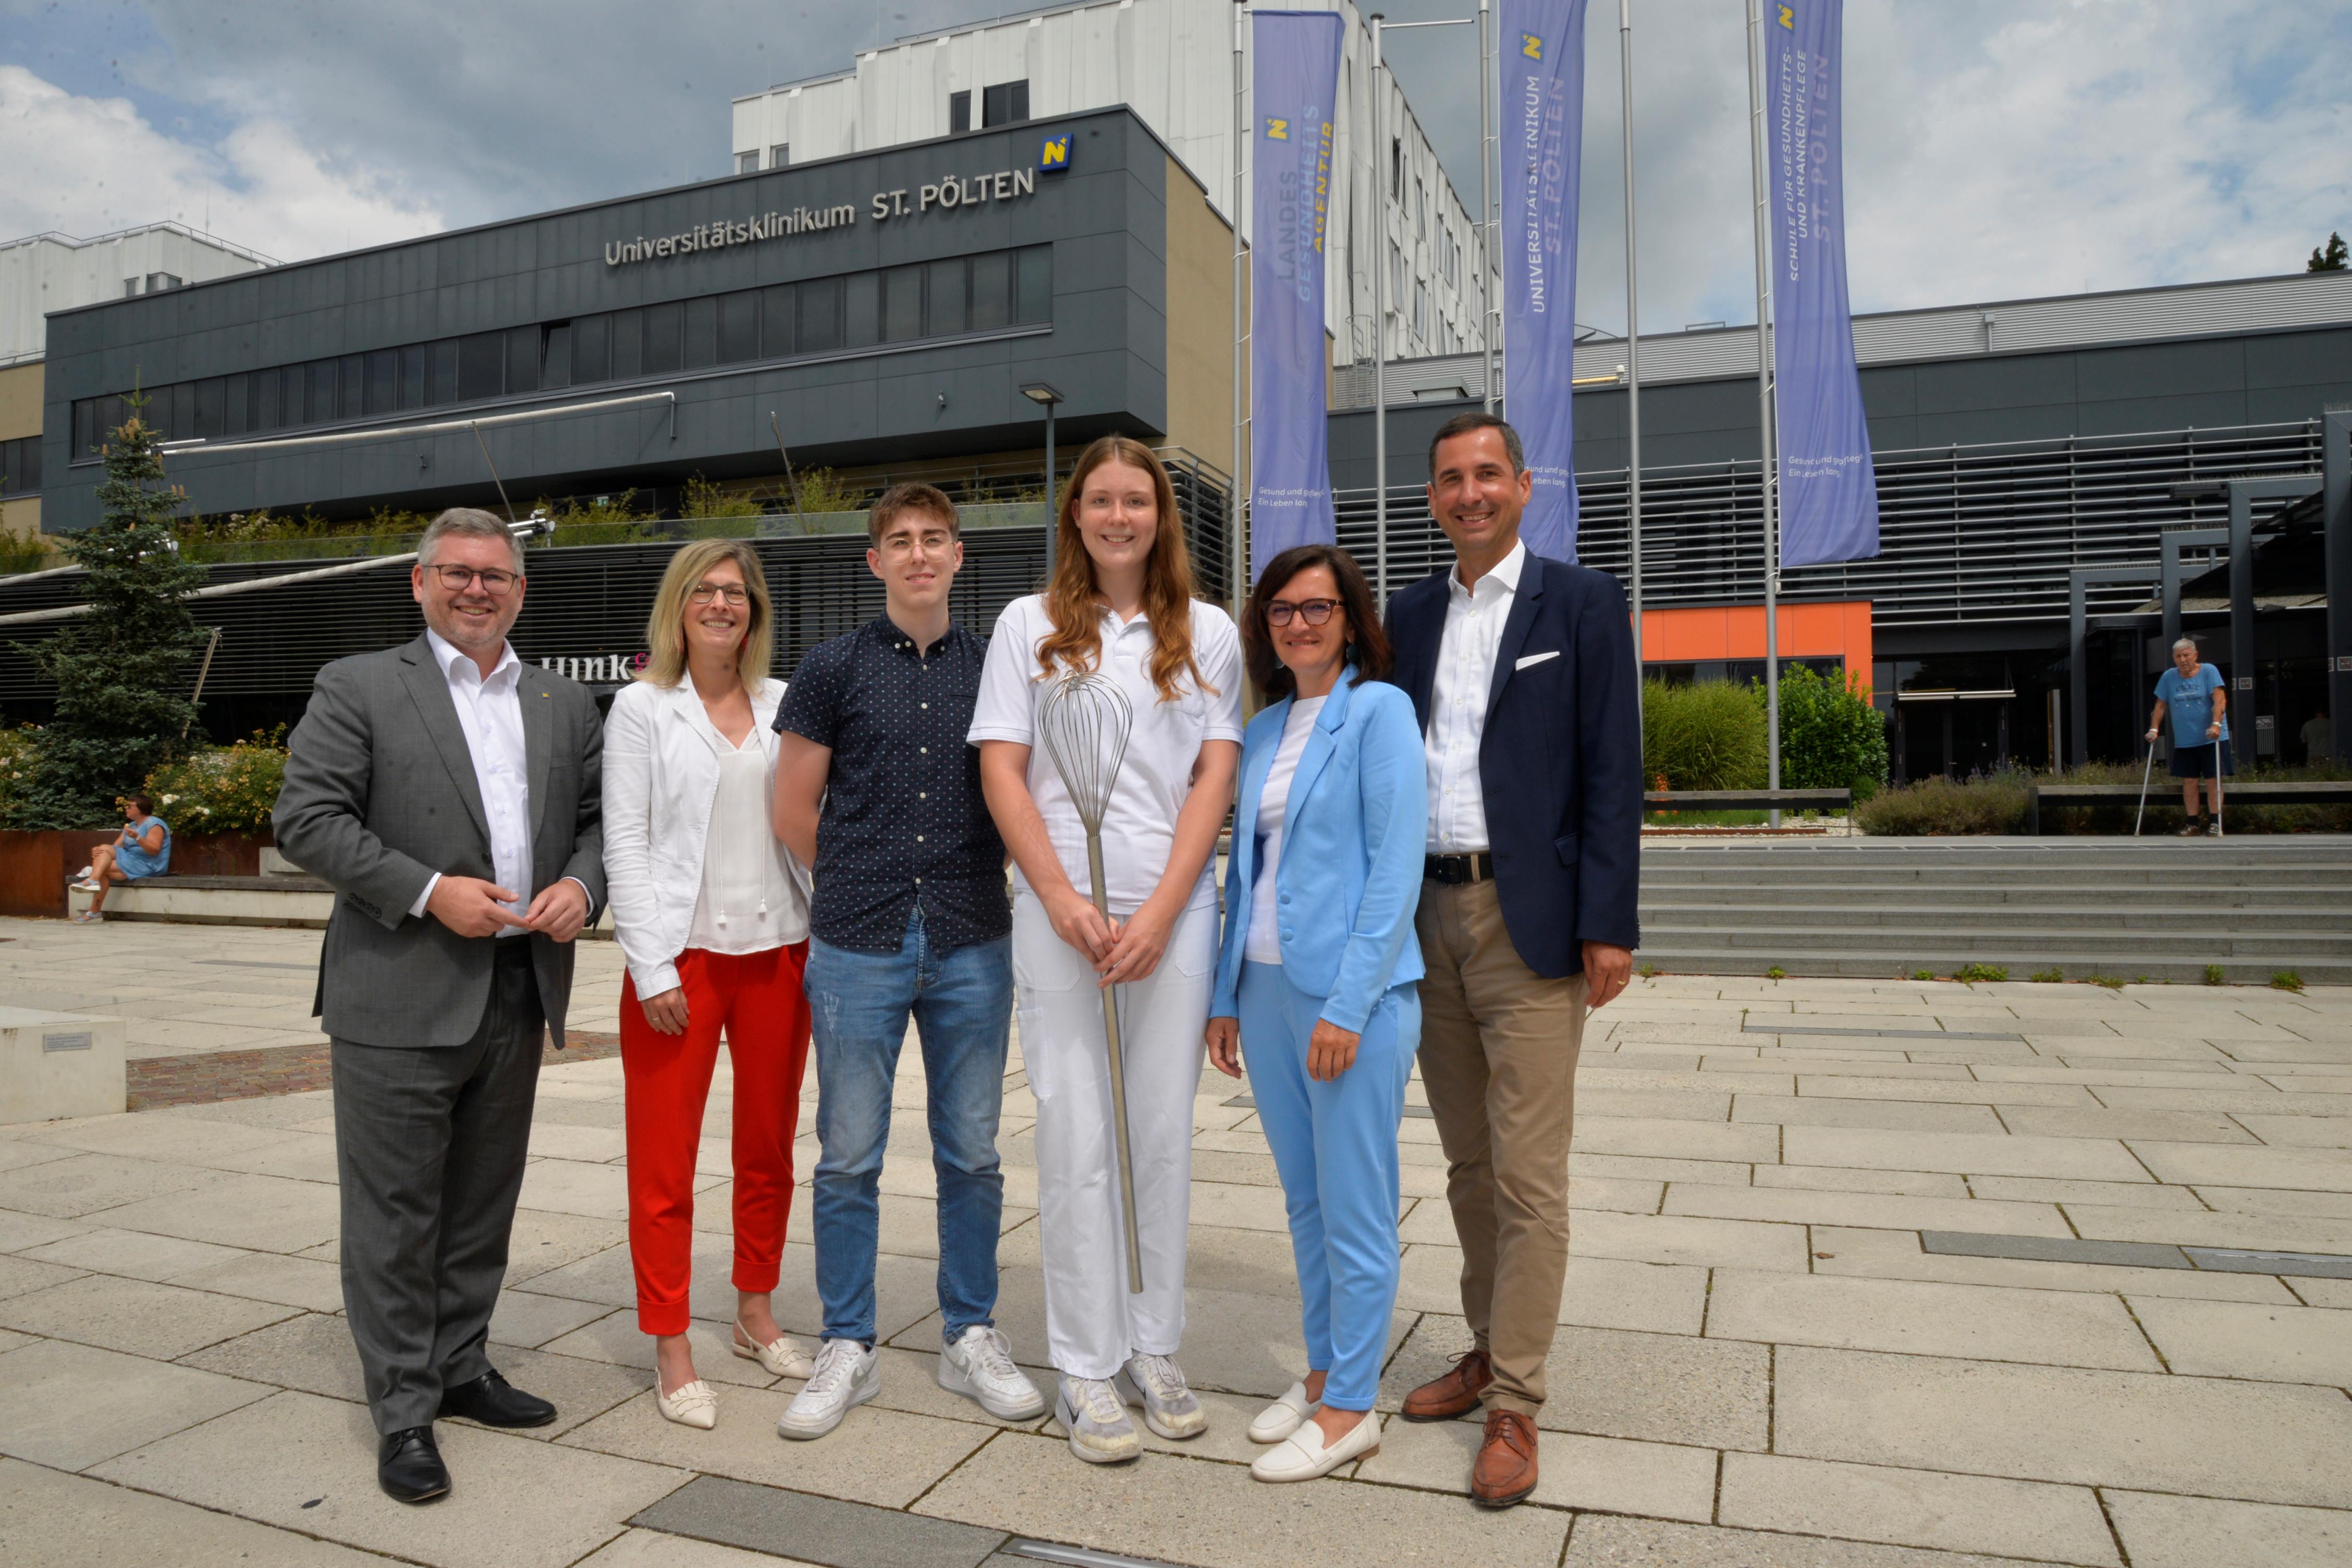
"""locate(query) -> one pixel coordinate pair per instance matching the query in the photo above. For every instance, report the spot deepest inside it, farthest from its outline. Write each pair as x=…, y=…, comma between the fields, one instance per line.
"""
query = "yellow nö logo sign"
x=1531, y=45
x=1278, y=130
x=1789, y=17
x=1054, y=153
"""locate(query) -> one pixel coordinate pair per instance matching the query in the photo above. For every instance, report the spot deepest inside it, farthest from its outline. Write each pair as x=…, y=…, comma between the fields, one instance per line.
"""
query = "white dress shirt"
x=1139, y=832
x=1466, y=652
x=489, y=710
x=1263, y=943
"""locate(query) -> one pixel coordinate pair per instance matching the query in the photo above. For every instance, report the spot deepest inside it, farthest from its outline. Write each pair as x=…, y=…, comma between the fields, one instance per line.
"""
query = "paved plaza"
x=1865, y=1275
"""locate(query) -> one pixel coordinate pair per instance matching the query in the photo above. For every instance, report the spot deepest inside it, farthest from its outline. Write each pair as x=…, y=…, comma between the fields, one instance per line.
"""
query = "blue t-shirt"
x=2190, y=704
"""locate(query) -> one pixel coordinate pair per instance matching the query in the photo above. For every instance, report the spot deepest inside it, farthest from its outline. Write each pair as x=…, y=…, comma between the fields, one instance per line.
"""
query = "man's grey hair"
x=473, y=523
x=2189, y=643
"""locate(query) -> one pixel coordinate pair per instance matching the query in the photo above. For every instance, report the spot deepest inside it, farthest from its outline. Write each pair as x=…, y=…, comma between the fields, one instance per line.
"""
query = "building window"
x=159, y=281
x=1006, y=104
x=20, y=467
x=481, y=366
x=1420, y=210
x=991, y=291
x=1396, y=277
x=1420, y=309
x=747, y=163
x=780, y=155
x=1396, y=170
x=958, y=112
x=738, y=326
x=702, y=332
x=902, y=304
x=591, y=350
x=555, y=359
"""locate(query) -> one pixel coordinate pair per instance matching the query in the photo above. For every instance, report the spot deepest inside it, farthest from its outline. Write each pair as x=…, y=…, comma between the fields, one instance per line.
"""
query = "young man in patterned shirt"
x=877, y=792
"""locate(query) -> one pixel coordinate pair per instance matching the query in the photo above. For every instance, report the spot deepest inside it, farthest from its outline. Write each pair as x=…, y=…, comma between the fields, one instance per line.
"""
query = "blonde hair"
x=1076, y=641
x=665, y=628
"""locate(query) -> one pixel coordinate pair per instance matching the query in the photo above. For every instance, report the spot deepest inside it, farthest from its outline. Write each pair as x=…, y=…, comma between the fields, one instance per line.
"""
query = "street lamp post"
x=1045, y=394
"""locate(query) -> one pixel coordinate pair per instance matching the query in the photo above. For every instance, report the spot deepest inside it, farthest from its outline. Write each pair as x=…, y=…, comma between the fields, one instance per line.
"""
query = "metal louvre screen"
x=1969, y=534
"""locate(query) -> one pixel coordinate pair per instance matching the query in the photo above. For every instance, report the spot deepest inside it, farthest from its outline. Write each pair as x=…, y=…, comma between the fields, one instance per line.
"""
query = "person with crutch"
x=1120, y=606
x=2199, y=700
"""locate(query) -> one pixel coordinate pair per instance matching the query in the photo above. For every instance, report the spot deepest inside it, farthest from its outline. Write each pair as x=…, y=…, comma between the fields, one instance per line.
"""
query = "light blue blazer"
x=1352, y=840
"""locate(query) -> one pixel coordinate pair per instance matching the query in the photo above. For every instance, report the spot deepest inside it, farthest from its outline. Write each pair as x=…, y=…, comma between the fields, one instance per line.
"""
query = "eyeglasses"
x=733, y=592
x=496, y=582
x=1315, y=610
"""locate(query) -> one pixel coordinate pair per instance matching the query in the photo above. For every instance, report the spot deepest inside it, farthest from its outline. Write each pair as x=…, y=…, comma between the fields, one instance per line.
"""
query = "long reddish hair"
x=1071, y=598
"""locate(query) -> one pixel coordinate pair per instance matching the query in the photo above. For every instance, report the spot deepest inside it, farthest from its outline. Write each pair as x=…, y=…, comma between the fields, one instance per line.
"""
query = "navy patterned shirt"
x=903, y=821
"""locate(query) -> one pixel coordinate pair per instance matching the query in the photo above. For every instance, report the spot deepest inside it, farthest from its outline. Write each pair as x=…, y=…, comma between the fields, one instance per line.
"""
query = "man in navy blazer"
x=1523, y=675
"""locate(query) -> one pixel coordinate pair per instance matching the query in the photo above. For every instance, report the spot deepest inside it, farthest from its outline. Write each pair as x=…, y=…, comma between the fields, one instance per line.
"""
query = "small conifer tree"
x=2332, y=258
x=120, y=671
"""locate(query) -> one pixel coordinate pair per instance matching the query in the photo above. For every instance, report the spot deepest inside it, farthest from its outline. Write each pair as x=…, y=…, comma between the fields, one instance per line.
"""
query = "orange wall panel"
x=1837, y=630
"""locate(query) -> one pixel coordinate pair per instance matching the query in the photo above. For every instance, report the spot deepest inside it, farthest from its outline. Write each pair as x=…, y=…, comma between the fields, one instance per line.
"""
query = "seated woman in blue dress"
x=1315, y=981
x=143, y=848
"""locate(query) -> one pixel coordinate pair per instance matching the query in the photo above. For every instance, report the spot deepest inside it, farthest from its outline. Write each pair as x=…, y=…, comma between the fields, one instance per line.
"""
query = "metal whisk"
x=1085, y=721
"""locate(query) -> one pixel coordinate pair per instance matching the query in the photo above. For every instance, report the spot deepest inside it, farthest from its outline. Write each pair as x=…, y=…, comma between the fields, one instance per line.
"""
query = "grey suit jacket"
x=380, y=795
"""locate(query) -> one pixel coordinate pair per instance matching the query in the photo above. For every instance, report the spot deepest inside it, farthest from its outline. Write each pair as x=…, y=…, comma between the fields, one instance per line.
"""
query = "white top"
x=670, y=822
x=1264, y=944
x=747, y=902
x=489, y=710
x=1138, y=830
x=1466, y=652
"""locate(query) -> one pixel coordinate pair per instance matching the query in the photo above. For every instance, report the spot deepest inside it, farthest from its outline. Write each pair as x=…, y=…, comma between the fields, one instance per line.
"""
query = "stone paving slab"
x=1603, y=1541
x=2162, y=1531
x=1916, y=1507
x=71, y=1406
x=51, y=1520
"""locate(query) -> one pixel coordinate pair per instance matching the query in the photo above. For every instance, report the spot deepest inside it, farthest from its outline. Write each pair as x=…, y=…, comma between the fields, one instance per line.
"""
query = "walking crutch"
x=1085, y=721
x=2144, y=768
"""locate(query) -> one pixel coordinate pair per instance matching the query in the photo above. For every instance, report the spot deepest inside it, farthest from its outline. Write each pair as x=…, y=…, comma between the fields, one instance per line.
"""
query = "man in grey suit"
x=450, y=795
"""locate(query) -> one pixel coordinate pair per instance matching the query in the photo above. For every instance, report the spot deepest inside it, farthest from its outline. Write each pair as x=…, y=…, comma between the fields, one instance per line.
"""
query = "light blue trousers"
x=1335, y=1146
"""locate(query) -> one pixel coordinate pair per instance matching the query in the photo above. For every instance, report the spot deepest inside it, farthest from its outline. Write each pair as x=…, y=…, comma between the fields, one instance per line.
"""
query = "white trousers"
x=1093, y=1324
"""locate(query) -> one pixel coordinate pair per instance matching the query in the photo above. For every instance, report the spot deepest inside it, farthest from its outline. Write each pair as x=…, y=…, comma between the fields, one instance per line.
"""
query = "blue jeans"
x=961, y=1002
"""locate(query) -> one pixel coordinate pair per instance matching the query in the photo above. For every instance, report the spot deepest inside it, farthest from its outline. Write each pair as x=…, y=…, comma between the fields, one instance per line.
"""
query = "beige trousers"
x=1498, y=1048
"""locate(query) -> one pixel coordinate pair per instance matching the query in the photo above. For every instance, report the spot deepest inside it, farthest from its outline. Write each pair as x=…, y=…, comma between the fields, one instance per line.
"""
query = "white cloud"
x=90, y=165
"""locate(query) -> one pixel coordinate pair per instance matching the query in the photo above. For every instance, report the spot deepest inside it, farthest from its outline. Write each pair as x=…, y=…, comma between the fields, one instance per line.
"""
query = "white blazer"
x=661, y=778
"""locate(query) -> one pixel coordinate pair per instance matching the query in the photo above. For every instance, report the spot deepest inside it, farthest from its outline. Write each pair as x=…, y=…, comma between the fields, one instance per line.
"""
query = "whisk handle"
x=1117, y=1054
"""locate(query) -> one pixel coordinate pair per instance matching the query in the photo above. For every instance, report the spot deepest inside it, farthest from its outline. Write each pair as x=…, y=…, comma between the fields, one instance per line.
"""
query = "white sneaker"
x=847, y=1374
x=1090, y=1412
x=1285, y=1415
x=978, y=1366
x=1301, y=1457
x=1155, y=1385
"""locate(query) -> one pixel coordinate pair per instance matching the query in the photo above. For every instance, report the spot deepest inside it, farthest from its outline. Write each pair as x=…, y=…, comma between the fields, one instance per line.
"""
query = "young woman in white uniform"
x=1121, y=603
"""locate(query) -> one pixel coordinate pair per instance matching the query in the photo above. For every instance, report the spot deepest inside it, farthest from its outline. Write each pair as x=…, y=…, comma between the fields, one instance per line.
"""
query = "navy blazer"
x=1559, y=761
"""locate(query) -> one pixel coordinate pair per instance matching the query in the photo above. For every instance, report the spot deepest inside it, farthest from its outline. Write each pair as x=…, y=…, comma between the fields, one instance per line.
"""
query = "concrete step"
x=1728, y=894
x=2073, y=915
x=1939, y=944
x=300, y=902
x=2317, y=871
x=1692, y=959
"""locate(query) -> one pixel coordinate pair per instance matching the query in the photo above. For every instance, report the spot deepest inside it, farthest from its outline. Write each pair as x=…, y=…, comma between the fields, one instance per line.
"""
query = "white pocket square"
x=1536, y=659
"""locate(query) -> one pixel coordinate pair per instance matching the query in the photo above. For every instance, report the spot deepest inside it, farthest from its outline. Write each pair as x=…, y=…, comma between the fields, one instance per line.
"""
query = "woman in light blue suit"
x=1315, y=980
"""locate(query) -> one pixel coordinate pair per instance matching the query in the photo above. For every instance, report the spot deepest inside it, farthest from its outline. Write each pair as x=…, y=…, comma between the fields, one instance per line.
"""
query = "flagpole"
x=1632, y=349
x=1380, y=329
x=1237, y=541
x=1487, y=150
x=1755, y=101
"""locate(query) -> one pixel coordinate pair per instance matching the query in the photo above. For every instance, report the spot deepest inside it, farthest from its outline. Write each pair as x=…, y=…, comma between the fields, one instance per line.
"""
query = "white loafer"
x=694, y=1405
x=1302, y=1456
x=779, y=1355
x=1285, y=1415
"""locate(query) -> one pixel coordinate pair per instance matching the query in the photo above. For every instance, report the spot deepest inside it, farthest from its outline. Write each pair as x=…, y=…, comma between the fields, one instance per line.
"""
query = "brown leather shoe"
x=1505, y=1472
x=1443, y=1398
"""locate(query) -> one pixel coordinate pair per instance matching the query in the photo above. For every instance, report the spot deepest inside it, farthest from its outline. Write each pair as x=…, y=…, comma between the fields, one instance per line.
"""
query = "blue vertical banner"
x=1828, y=491
x=1542, y=54
x=1295, y=84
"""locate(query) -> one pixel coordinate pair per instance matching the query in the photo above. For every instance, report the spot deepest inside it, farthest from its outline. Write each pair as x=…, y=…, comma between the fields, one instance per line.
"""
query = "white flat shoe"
x=694, y=1405
x=779, y=1355
x=1285, y=1415
x=1301, y=1457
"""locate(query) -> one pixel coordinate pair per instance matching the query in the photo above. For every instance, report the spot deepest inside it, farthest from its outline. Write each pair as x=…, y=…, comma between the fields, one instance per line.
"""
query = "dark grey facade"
x=364, y=337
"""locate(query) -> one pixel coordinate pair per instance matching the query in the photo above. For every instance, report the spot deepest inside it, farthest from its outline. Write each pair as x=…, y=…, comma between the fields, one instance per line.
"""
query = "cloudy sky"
x=1995, y=149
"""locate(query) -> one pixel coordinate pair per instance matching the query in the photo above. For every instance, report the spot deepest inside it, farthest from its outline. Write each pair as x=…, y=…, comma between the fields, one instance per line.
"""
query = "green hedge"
x=1995, y=803
x=1704, y=736
x=1831, y=737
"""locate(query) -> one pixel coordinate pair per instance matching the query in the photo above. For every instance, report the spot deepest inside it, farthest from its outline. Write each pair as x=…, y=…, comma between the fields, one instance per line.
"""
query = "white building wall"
x=45, y=272
x=1171, y=62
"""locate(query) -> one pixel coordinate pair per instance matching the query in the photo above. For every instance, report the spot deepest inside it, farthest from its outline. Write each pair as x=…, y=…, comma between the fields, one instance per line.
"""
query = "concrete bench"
x=59, y=1064
x=2322, y=793
x=297, y=900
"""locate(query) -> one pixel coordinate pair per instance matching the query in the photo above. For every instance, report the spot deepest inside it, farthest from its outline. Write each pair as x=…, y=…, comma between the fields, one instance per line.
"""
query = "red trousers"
x=757, y=998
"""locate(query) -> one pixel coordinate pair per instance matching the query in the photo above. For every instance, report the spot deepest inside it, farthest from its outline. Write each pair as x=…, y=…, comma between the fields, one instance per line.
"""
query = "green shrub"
x=1831, y=737
x=2286, y=980
x=2049, y=976
x=2214, y=977
x=1709, y=735
x=2112, y=982
x=1776, y=973
x=1973, y=973
x=1993, y=804
x=1923, y=974
x=222, y=789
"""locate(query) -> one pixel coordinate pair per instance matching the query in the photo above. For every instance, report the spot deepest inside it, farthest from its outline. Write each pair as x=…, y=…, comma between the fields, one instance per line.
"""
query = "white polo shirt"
x=1140, y=828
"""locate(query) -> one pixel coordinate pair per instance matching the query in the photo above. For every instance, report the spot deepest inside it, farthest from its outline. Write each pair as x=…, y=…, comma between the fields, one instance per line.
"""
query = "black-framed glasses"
x=735, y=596
x=496, y=582
x=1315, y=610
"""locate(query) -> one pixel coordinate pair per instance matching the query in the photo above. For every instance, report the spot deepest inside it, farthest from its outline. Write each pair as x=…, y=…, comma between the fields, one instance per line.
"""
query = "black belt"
x=1456, y=870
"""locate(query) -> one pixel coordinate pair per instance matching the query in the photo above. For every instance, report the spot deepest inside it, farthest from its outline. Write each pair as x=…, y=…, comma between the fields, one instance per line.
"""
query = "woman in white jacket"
x=712, y=916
